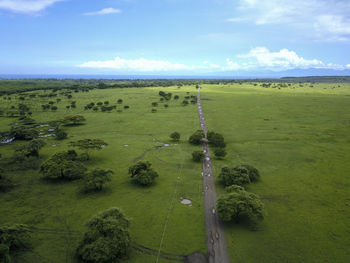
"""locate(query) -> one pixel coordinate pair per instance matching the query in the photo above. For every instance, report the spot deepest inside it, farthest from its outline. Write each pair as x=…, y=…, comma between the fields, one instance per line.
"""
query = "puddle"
x=186, y=201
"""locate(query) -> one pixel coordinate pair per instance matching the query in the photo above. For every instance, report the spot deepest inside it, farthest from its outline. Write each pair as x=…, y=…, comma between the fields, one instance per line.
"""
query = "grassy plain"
x=299, y=139
x=59, y=211
x=297, y=136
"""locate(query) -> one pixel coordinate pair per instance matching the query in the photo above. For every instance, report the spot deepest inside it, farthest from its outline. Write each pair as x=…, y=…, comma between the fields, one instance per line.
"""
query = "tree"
x=230, y=176
x=142, y=173
x=32, y=148
x=240, y=206
x=73, y=120
x=198, y=156
x=23, y=133
x=95, y=179
x=12, y=239
x=220, y=153
x=107, y=239
x=120, y=101
x=239, y=175
x=61, y=134
x=185, y=102
x=216, y=139
x=176, y=97
x=175, y=136
x=196, y=138
x=89, y=144
x=64, y=166
x=251, y=171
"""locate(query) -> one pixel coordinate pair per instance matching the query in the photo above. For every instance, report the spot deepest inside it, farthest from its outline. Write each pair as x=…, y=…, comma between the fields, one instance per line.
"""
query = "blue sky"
x=172, y=36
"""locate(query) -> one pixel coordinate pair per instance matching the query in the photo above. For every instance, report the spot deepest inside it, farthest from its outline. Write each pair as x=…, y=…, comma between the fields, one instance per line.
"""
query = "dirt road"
x=216, y=241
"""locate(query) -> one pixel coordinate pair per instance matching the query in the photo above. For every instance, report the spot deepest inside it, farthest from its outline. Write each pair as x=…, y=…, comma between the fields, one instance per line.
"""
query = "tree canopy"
x=239, y=175
x=175, y=136
x=72, y=120
x=107, y=239
x=240, y=206
x=142, y=173
x=89, y=144
x=63, y=166
x=216, y=139
x=196, y=138
x=95, y=179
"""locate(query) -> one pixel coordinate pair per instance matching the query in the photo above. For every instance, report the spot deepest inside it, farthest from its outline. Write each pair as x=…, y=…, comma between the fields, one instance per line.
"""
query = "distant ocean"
x=127, y=77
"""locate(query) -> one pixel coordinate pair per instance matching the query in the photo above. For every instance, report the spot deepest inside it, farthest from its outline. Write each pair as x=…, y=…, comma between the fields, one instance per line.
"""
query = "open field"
x=60, y=207
x=297, y=135
x=299, y=139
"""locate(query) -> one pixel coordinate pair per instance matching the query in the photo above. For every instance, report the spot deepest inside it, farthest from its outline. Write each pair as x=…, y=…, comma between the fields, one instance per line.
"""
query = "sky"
x=173, y=37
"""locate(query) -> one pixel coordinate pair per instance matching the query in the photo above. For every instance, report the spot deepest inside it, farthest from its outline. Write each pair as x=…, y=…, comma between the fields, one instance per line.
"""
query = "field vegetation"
x=82, y=156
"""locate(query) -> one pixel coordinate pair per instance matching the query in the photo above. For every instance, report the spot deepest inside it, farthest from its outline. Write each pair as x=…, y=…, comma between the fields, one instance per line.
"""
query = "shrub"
x=240, y=206
x=107, y=239
x=198, y=156
x=220, y=153
x=175, y=136
x=196, y=138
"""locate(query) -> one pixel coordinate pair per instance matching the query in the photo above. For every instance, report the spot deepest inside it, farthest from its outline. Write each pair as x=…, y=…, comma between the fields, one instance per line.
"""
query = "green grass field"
x=297, y=136
x=59, y=206
x=299, y=139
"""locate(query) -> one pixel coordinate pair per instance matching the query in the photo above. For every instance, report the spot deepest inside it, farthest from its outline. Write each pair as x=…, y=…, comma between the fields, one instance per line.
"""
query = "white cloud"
x=105, y=11
x=262, y=57
x=26, y=6
x=325, y=19
x=257, y=59
x=137, y=65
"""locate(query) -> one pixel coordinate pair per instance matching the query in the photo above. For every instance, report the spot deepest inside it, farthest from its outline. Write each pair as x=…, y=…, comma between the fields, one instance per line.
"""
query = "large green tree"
x=63, y=166
x=142, y=173
x=95, y=179
x=196, y=138
x=107, y=239
x=240, y=206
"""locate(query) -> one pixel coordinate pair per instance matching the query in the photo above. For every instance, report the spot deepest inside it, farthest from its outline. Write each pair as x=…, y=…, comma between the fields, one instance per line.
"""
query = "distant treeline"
x=11, y=86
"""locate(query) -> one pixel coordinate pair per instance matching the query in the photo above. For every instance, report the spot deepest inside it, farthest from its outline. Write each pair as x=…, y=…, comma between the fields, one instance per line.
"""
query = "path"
x=216, y=242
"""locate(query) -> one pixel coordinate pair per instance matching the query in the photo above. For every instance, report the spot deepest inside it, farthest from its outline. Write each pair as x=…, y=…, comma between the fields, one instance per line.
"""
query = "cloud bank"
x=257, y=59
x=26, y=6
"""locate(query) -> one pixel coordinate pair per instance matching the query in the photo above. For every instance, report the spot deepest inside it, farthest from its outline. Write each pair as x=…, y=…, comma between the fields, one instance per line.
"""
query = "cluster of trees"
x=239, y=175
x=13, y=239
x=166, y=96
x=107, y=238
x=68, y=166
x=238, y=205
x=142, y=173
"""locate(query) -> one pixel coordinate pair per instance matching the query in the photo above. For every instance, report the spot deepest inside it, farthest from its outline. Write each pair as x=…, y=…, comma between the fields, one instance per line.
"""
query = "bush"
x=95, y=179
x=61, y=135
x=142, y=173
x=196, y=138
x=175, y=136
x=216, y=139
x=220, y=153
x=197, y=156
x=107, y=239
x=240, y=206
